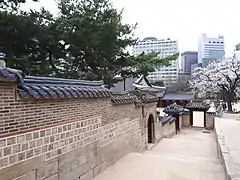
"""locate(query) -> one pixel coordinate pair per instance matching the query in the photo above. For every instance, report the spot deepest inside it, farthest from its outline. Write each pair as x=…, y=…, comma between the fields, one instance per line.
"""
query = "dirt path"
x=191, y=155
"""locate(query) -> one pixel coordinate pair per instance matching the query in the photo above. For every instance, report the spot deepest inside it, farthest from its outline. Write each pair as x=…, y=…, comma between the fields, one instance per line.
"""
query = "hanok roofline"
x=32, y=87
x=53, y=88
x=144, y=85
x=174, y=96
x=173, y=109
x=197, y=105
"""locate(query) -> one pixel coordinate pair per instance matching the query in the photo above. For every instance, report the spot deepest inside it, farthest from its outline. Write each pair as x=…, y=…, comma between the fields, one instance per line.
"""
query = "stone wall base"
x=169, y=130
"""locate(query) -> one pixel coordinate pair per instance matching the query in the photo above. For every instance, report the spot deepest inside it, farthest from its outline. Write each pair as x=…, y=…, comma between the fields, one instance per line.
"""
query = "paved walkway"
x=190, y=155
x=228, y=130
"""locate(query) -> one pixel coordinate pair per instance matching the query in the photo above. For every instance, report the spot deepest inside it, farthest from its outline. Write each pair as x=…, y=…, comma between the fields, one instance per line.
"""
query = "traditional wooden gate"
x=197, y=111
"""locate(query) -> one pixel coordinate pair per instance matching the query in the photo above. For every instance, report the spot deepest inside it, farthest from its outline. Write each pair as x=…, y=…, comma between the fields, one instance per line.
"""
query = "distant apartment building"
x=210, y=48
x=188, y=58
x=168, y=75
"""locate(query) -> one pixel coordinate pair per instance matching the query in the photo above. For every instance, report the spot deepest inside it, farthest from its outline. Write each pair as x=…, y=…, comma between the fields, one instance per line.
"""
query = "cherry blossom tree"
x=220, y=79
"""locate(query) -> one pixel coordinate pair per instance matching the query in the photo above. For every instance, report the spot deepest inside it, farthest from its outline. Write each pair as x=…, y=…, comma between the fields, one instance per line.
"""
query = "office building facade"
x=210, y=48
x=166, y=47
x=188, y=58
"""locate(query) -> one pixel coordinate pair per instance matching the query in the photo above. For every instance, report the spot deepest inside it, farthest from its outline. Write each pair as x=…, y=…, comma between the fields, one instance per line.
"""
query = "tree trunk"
x=229, y=103
x=124, y=84
x=54, y=68
x=107, y=82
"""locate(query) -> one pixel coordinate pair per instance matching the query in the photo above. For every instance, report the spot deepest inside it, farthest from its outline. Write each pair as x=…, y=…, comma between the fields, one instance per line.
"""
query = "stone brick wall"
x=186, y=120
x=150, y=109
x=180, y=121
x=65, y=139
x=69, y=139
x=169, y=130
x=210, y=120
x=158, y=131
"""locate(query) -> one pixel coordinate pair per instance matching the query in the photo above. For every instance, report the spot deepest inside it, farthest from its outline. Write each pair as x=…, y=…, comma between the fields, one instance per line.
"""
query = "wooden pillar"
x=205, y=120
x=177, y=124
x=191, y=117
x=153, y=132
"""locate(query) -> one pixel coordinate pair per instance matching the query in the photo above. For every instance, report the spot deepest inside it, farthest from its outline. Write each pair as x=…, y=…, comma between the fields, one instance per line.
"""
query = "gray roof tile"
x=175, y=96
x=124, y=99
x=173, y=109
x=53, y=88
x=10, y=75
x=166, y=119
x=150, y=98
x=198, y=105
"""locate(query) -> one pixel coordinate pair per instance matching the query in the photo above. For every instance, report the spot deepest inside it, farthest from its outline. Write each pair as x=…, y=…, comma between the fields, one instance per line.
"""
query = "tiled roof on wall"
x=149, y=98
x=166, y=119
x=173, y=109
x=53, y=88
x=198, y=105
x=124, y=98
x=176, y=96
x=10, y=75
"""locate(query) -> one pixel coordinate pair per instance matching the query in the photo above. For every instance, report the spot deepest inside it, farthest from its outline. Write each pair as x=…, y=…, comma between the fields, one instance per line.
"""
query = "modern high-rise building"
x=188, y=58
x=165, y=47
x=237, y=47
x=210, y=48
x=237, y=51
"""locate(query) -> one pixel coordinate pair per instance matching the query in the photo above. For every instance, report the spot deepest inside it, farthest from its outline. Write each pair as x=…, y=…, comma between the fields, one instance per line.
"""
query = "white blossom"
x=221, y=76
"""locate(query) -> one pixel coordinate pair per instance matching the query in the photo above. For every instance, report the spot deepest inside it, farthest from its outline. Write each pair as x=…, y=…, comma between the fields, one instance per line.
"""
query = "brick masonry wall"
x=180, y=121
x=158, y=131
x=210, y=121
x=186, y=120
x=20, y=116
x=150, y=109
x=113, y=141
x=65, y=139
x=169, y=130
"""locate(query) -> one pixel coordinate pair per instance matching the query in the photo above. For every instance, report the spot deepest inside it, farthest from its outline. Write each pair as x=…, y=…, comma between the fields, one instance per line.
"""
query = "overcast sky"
x=184, y=20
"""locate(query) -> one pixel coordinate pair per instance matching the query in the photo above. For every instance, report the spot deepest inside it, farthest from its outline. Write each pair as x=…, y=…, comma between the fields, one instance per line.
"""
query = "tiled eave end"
x=61, y=93
x=197, y=106
x=56, y=88
x=167, y=119
x=10, y=75
x=150, y=99
x=173, y=109
x=118, y=100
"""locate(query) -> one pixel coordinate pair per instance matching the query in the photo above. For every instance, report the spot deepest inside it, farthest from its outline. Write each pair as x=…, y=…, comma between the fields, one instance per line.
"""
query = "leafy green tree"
x=98, y=39
x=19, y=34
x=31, y=42
x=145, y=63
x=86, y=40
x=11, y=5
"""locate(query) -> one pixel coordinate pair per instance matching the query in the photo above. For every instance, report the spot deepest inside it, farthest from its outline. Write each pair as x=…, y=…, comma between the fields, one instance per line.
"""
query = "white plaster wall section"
x=198, y=119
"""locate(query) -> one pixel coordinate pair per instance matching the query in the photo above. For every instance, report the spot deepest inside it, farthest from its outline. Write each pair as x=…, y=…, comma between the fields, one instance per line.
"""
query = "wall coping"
x=225, y=154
